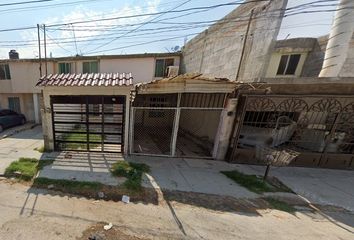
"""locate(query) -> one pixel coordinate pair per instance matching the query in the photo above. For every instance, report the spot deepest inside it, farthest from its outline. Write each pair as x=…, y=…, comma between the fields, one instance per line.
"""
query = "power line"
x=22, y=3
x=147, y=14
x=156, y=13
x=142, y=30
x=143, y=24
x=29, y=8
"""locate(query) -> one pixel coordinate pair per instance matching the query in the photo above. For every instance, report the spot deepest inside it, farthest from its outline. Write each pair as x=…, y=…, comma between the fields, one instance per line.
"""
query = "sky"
x=123, y=35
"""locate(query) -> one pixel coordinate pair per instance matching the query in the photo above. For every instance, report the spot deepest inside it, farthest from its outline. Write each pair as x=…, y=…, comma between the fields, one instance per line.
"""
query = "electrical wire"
x=143, y=24
x=299, y=9
x=25, y=2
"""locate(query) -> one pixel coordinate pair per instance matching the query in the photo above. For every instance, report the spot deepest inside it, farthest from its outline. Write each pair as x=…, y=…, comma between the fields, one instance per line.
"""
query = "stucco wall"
x=26, y=103
x=217, y=50
x=274, y=64
x=25, y=73
x=24, y=76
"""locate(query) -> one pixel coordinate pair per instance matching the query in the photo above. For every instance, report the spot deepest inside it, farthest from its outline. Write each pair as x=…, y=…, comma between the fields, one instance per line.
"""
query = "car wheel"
x=23, y=121
x=1, y=128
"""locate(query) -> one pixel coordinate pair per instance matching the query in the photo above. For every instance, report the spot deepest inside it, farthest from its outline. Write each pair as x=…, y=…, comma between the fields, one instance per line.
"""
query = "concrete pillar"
x=227, y=119
x=37, y=117
x=339, y=39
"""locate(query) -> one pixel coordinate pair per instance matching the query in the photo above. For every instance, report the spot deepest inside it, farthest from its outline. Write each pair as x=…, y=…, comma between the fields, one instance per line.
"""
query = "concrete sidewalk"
x=192, y=175
x=320, y=186
x=82, y=166
x=18, y=145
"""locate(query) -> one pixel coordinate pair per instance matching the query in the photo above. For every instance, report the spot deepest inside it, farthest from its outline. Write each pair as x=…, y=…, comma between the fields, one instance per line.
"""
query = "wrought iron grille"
x=88, y=123
x=318, y=124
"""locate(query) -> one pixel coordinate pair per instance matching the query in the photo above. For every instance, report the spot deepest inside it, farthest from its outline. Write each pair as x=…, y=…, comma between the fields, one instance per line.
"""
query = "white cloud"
x=78, y=14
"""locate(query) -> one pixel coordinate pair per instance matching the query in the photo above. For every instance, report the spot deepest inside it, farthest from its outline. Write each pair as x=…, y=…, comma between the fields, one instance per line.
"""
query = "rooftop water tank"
x=13, y=54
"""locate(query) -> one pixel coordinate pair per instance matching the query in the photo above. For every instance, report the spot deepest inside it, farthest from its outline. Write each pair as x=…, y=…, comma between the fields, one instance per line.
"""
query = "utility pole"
x=39, y=51
x=45, y=50
x=244, y=45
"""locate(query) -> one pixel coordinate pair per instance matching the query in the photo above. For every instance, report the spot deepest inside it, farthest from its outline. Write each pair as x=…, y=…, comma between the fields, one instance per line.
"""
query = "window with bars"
x=90, y=67
x=288, y=64
x=161, y=66
x=65, y=67
x=5, y=72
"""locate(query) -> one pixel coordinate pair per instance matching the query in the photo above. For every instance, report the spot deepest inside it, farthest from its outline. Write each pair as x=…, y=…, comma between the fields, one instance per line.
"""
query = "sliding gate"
x=88, y=123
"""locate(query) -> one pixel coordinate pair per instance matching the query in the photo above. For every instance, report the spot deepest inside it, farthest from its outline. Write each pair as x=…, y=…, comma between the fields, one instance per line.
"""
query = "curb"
x=290, y=198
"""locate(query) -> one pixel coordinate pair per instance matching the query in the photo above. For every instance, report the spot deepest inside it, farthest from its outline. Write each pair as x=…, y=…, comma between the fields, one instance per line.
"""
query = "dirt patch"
x=93, y=190
x=216, y=202
x=96, y=232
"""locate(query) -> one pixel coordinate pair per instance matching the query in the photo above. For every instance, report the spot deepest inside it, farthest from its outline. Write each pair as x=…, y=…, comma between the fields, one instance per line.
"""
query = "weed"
x=280, y=205
x=132, y=171
x=253, y=182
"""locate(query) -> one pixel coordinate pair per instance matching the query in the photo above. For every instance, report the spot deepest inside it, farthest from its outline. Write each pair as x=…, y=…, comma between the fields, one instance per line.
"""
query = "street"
x=37, y=214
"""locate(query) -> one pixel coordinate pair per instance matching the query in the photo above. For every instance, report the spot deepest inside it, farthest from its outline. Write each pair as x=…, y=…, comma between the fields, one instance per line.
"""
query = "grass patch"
x=280, y=205
x=132, y=171
x=26, y=168
x=253, y=182
x=81, y=137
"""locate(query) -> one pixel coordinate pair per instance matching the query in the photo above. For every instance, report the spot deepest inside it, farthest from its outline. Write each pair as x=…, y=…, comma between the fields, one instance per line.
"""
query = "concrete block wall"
x=314, y=61
x=216, y=51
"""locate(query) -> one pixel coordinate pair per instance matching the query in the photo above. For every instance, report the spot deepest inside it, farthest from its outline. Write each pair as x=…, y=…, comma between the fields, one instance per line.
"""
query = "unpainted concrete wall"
x=314, y=61
x=217, y=50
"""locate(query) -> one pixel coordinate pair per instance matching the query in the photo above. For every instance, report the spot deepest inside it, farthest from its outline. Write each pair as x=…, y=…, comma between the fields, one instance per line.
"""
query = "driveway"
x=320, y=186
x=20, y=144
x=192, y=175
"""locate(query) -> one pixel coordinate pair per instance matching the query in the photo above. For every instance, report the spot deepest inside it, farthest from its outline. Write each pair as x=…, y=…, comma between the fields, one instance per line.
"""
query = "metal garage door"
x=88, y=123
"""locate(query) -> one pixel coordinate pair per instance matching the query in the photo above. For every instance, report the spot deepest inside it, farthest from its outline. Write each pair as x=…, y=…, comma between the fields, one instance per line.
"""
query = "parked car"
x=9, y=118
x=251, y=136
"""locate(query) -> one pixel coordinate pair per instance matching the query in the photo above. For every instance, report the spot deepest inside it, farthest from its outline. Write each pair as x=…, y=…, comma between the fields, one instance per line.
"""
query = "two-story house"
x=18, y=77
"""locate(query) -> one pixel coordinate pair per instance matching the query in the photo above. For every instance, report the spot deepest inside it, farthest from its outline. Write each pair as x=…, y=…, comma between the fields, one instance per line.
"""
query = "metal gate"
x=88, y=123
x=321, y=128
x=175, y=125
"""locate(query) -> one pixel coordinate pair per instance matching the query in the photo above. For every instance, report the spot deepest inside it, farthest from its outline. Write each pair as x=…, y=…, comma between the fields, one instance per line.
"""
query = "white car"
x=258, y=136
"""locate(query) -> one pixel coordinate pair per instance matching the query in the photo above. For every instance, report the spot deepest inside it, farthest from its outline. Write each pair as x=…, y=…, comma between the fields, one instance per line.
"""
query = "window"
x=14, y=104
x=5, y=72
x=162, y=65
x=157, y=102
x=90, y=67
x=288, y=64
x=65, y=67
